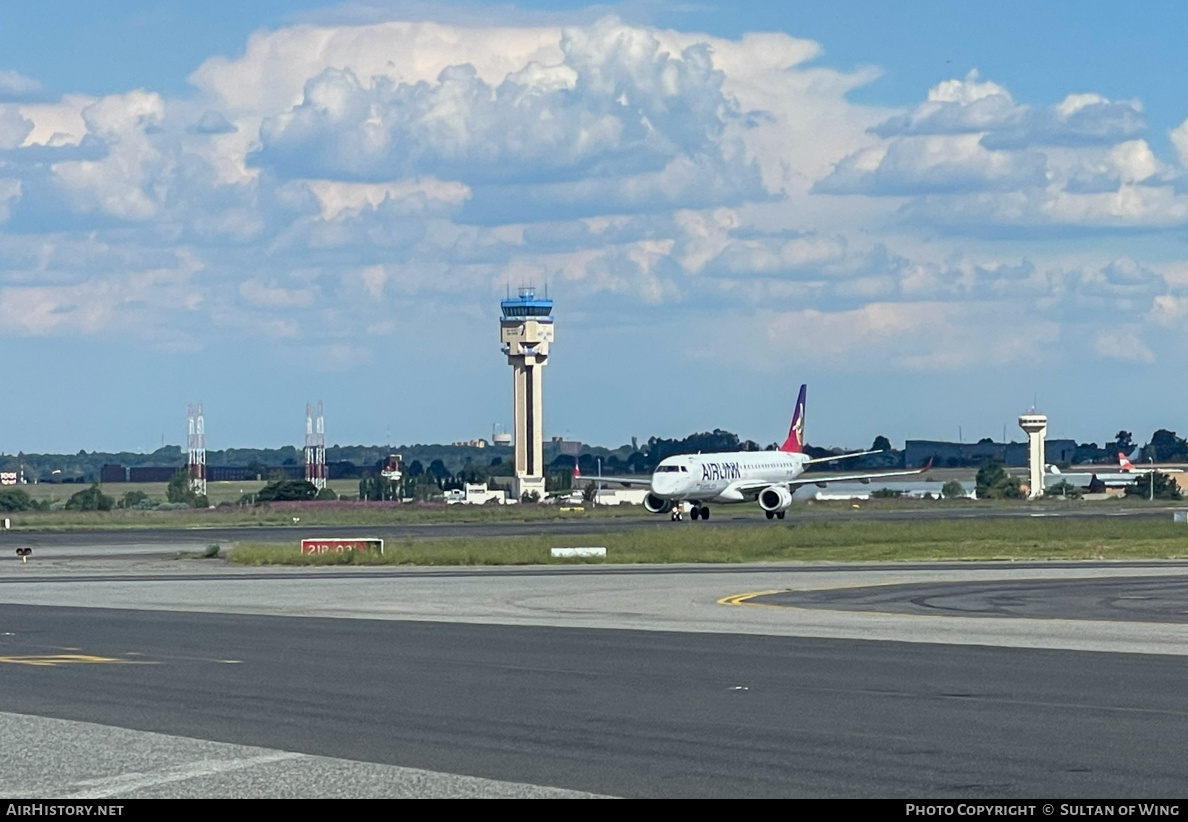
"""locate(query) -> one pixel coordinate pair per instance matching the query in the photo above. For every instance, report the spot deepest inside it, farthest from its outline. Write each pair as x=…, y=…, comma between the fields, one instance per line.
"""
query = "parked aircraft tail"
x=795, y=441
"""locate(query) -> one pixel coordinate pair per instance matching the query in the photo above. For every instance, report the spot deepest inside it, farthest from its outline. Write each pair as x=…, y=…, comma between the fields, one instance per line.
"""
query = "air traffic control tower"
x=1036, y=426
x=526, y=330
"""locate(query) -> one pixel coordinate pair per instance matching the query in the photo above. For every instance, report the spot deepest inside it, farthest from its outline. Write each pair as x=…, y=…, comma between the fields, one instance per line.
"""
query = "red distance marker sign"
x=338, y=546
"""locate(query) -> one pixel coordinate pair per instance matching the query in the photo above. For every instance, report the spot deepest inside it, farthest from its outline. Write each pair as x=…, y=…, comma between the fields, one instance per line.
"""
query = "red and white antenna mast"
x=315, y=445
x=196, y=443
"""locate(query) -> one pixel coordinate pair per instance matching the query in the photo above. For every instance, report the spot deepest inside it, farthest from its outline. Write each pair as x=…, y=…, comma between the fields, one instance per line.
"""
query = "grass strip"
x=807, y=542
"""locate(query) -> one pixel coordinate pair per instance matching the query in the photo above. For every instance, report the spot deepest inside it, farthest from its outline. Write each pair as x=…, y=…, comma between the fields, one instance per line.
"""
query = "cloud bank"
x=335, y=176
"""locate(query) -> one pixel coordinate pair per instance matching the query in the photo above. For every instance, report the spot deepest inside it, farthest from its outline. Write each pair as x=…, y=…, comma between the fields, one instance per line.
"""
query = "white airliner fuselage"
x=723, y=478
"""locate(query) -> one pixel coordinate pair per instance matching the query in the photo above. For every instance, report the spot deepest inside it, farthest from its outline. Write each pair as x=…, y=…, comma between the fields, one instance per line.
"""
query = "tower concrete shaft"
x=1036, y=426
x=526, y=331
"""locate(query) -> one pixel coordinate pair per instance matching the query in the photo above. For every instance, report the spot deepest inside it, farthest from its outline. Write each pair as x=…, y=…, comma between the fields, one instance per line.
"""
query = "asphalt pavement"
x=624, y=713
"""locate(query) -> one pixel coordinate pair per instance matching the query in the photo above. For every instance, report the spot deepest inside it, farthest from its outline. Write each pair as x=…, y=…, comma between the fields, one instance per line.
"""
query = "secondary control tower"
x=526, y=330
x=1036, y=426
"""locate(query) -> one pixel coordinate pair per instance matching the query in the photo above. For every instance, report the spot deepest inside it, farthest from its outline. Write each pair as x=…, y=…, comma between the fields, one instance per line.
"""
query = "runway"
x=623, y=713
x=956, y=680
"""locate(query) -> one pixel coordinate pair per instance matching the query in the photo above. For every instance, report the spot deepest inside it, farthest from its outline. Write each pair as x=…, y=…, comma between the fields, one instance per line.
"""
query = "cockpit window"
x=666, y=469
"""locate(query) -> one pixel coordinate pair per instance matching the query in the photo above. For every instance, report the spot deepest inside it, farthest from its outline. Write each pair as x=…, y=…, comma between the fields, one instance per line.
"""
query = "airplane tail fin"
x=1124, y=463
x=577, y=470
x=795, y=441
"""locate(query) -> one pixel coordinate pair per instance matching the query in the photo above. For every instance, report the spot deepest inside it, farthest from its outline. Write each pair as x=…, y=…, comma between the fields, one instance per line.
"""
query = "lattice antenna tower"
x=196, y=445
x=315, y=445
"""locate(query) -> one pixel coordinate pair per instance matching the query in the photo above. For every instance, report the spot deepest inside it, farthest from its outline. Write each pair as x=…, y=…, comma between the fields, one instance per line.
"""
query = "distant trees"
x=131, y=499
x=1166, y=446
x=92, y=499
x=377, y=488
x=881, y=443
x=17, y=499
x=1165, y=487
x=287, y=490
x=438, y=471
x=952, y=490
x=989, y=475
x=993, y=482
x=1088, y=452
x=716, y=441
x=180, y=490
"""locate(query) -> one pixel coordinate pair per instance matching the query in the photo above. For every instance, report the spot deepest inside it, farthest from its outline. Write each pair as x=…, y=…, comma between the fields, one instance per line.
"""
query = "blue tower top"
x=527, y=306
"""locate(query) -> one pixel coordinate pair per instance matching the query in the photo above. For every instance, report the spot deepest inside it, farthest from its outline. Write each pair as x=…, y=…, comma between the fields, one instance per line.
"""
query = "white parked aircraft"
x=1127, y=466
x=766, y=477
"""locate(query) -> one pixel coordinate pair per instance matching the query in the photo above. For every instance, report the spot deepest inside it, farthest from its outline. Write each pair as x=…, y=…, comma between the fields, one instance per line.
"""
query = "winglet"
x=795, y=442
x=927, y=466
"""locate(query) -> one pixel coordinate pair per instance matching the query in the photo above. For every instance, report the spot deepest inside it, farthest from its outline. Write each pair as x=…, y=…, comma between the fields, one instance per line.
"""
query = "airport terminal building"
x=957, y=454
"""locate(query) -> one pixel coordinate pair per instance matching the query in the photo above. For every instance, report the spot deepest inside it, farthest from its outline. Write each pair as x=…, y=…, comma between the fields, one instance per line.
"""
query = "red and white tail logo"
x=1125, y=464
x=577, y=470
x=795, y=441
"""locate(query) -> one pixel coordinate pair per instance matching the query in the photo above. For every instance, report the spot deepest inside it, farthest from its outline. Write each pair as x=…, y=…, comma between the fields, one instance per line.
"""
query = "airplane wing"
x=835, y=457
x=627, y=482
x=805, y=479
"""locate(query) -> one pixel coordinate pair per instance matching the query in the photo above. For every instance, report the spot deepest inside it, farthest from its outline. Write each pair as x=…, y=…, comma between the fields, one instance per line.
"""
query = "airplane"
x=1124, y=462
x=1126, y=466
x=767, y=477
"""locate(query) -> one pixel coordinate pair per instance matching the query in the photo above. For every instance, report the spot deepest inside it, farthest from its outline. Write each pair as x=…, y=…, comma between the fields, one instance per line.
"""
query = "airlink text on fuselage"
x=720, y=471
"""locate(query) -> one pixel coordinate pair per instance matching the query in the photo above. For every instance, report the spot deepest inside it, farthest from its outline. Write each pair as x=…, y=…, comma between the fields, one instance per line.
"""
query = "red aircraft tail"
x=795, y=441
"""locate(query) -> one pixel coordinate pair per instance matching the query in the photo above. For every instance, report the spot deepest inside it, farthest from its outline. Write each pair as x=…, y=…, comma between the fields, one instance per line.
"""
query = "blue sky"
x=930, y=212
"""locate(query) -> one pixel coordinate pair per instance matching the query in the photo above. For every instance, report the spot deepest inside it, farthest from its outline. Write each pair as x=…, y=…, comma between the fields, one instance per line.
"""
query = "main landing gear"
x=696, y=511
x=774, y=514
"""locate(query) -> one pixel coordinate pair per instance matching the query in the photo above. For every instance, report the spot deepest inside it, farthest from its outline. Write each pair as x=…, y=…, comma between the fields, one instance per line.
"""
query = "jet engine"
x=655, y=505
x=775, y=498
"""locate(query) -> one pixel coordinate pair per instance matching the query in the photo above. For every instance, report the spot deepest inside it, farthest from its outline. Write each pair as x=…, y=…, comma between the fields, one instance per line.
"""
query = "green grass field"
x=812, y=541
